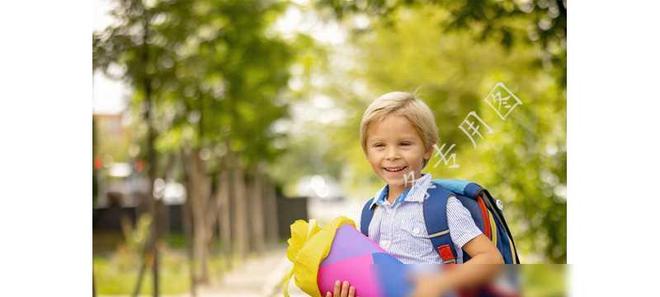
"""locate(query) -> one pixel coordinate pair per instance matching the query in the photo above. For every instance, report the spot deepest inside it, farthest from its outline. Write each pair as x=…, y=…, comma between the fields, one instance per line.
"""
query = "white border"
x=613, y=132
x=45, y=160
x=45, y=127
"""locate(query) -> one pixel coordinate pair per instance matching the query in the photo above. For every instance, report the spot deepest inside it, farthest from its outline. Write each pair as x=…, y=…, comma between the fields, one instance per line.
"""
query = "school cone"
x=338, y=251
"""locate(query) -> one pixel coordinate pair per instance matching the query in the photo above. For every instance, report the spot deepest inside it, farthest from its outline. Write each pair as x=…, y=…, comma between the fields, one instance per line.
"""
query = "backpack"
x=485, y=210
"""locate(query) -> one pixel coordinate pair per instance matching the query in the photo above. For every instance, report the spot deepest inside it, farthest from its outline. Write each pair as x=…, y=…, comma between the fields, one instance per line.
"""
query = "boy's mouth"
x=395, y=169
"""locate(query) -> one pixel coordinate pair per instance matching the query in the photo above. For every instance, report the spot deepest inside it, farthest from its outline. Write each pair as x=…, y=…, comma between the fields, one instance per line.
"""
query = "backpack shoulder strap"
x=365, y=217
x=435, y=218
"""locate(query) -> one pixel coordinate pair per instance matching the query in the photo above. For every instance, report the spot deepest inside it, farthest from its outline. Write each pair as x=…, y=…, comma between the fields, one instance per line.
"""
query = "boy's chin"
x=394, y=182
x=397, y=181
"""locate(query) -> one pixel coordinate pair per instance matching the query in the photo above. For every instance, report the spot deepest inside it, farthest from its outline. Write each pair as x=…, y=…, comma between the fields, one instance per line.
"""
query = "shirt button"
x=416, y=230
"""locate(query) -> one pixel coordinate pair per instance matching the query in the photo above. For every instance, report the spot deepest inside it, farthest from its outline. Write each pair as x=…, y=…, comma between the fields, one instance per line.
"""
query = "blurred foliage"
x=221, y=80
x=215, y=74
x=522, y=163
x=540, y=24
x=135, y=237
x=116, y=150
x=546, y=280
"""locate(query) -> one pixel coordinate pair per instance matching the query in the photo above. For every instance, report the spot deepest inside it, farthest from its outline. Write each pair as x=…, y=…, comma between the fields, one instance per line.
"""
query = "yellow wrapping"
x=309, y=245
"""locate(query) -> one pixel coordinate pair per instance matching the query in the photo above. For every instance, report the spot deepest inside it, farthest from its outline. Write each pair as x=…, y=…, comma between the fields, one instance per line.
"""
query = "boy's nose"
x=392, y=154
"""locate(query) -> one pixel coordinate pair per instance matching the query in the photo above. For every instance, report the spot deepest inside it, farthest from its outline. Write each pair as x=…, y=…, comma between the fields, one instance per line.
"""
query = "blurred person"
x=397, y=134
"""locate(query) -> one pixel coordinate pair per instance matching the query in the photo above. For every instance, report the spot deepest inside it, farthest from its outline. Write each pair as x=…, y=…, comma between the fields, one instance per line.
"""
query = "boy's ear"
x=429, y=152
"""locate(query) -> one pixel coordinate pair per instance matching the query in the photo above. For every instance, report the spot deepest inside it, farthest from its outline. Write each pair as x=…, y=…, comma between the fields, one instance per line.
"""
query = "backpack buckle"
x=446, y=254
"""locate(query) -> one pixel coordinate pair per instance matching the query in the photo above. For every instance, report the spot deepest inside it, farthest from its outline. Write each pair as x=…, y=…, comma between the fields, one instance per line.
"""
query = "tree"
x=208, y=79
x=537, y=23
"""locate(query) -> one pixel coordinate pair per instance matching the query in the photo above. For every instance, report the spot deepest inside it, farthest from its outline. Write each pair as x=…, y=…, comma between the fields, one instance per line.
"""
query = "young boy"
x=397, y=134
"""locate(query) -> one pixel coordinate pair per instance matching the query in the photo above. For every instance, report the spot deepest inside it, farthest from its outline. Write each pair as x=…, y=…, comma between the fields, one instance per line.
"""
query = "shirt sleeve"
x=462, y=228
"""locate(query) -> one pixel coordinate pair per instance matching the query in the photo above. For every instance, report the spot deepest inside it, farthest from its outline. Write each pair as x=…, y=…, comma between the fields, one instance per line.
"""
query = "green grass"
x=116, y=266
x=117, y=274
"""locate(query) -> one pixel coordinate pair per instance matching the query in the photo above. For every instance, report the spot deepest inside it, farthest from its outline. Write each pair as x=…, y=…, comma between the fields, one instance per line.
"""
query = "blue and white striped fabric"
x=399, y=228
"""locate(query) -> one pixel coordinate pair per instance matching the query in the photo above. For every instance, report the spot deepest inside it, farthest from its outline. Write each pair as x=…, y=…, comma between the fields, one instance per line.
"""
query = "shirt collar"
x=417, y=193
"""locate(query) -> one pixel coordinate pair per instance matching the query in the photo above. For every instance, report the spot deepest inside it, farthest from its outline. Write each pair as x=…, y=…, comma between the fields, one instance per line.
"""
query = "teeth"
x=395, y=169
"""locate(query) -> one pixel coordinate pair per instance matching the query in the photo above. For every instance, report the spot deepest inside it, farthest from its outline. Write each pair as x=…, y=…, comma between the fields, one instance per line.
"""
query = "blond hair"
x=406, y=105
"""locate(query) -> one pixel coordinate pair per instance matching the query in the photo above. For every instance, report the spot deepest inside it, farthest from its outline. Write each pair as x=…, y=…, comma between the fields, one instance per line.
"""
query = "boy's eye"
x=379, y=145
x=405, y=143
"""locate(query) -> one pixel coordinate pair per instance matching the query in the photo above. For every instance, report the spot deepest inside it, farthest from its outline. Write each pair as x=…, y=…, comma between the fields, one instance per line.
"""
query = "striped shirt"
x=399, y=228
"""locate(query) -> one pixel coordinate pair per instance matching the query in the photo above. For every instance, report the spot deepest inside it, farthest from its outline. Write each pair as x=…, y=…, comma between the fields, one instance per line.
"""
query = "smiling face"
x=394, y=148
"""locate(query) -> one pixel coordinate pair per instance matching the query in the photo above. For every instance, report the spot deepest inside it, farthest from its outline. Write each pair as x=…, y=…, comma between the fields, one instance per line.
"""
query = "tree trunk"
x=249, y=197
x=257, y=211
x=151, y=139
x=188, y=231
x=224, y=210
x=270, y=212
x=199, y=193
x=240, y=217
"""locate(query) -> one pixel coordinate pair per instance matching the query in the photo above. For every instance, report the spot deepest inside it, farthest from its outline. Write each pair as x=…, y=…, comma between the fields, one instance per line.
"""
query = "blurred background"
x=218, y=123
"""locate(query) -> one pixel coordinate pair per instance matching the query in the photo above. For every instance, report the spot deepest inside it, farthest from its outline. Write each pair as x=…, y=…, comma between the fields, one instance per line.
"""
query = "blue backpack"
x=485, y=210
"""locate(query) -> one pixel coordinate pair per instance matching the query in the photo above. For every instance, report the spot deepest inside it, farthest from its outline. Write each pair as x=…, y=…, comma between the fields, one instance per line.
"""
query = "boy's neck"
x=393, y=193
